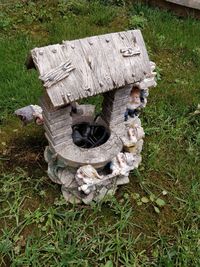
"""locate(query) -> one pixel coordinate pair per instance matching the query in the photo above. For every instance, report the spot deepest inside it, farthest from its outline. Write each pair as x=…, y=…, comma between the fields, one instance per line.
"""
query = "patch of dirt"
x=22, y=147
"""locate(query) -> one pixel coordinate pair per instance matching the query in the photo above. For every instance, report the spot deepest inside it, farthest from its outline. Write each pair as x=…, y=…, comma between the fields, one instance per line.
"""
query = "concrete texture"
x=180, y=9
x=188, y=3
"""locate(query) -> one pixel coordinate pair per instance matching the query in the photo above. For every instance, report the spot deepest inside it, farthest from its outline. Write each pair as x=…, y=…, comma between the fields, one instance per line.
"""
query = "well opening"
x=89, y=134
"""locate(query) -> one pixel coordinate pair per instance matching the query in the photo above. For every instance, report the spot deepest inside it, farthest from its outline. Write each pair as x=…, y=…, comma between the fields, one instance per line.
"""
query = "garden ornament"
x=91, y=156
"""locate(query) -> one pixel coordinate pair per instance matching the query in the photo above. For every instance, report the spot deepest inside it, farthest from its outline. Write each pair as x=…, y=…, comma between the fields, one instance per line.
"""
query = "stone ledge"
x=187, y=3
x=98, y=157
x=177, y=8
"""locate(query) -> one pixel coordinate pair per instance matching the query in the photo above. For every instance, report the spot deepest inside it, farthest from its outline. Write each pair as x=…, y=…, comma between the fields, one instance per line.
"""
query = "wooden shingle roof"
x=85, y=67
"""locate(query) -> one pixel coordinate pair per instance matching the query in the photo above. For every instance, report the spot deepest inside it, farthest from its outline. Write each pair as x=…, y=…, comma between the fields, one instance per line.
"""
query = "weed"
x=73, y=6
x=195, y=56
x=101, y=15
x=137, y=21
x=158, y=73
x=5, y=22
x=113, y=2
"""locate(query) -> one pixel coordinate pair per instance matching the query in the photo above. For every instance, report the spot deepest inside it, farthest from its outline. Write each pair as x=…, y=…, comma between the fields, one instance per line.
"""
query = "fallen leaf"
x=198, y=110
x=144, y=199
x=139, y=203
x=164, y=192
x=126, y=196
x=108, y=264
x=160, y=202
x=152, y=197
x=156, y=209
x=135, y=195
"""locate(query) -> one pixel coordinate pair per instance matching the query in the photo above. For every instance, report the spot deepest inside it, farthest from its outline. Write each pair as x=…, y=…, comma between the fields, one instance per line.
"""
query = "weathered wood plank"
x=144, y=62
x=83, y=72
x=112, y=55
x=70, y=50
x=133, y=64
x=123, y=62
x=57, y=74
x=95, y=59
x=66, y=90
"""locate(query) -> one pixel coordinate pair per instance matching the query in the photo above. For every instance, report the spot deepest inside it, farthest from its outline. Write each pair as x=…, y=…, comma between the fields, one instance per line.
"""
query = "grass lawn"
x=155, y=219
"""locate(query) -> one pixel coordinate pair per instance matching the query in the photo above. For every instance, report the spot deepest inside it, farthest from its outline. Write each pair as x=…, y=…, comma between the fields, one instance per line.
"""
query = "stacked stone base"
x=87, y=184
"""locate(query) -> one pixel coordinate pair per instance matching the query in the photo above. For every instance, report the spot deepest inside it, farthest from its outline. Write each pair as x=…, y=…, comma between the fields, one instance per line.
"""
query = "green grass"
x=37, y=227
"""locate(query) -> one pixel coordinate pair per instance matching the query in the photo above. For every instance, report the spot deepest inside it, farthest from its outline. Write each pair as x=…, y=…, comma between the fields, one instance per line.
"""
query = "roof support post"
x=114, y=106
x=57, y=123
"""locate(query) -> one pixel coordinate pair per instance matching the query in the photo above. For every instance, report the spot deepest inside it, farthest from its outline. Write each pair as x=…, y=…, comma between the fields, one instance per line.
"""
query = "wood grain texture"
x=57, y=74
x=81, y=68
